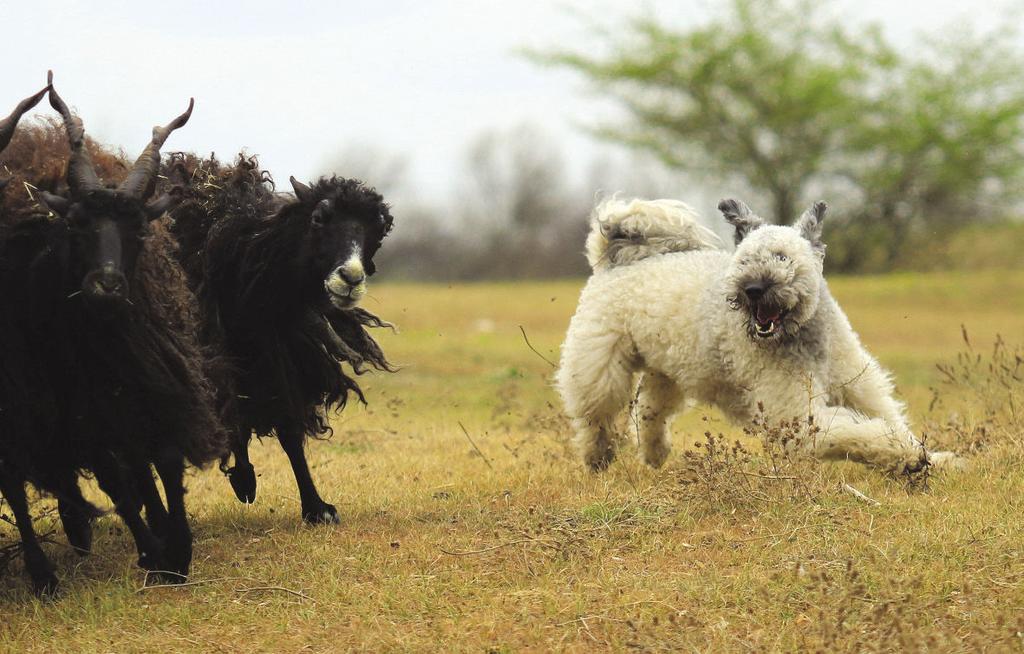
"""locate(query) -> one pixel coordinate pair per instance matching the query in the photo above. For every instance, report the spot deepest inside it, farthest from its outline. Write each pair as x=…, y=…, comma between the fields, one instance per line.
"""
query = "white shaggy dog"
x=757, y=326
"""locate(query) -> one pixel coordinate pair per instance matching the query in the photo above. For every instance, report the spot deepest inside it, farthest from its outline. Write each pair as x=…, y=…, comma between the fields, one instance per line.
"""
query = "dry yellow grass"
x=441, y=548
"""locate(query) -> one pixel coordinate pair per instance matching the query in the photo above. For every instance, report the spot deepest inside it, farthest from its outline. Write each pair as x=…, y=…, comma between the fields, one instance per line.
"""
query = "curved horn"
x=8, y=124
x=141, y=180
x=81, y=175
x=163, y=204
x=54, y=203
x=302, y=192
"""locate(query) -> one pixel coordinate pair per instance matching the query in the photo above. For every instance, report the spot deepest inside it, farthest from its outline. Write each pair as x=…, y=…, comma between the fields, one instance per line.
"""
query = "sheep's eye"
x=781, y=257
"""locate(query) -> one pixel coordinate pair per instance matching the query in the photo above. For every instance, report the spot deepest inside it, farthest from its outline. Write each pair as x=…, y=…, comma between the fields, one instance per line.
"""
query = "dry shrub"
x=841, y=608
x=981, y=403
x=726, y=476
x=10, y=541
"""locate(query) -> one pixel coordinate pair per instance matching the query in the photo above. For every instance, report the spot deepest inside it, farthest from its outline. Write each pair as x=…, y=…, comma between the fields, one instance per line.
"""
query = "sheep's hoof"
x=243, y=481
x=44, y=582
x=78, y=529
x=325, y=514
x=150, y=561
x=161, y=577
x=178, y=554
x=46, y=587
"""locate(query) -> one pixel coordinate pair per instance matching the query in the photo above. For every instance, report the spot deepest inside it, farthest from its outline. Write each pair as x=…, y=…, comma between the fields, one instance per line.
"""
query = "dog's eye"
x=781, y=257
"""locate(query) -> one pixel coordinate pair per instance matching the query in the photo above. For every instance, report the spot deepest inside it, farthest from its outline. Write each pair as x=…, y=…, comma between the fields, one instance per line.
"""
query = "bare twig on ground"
x=487, y=549
x=859, y=495
x=275, y=588
x=535, y=351
x=482, y=455
x=217, y=580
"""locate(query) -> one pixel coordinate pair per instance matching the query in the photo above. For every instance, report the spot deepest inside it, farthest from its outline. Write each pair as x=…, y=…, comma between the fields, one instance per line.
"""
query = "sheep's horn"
x=302, y=192
x=156, y=208
x=142, y=178
x=54, y=203
x=8, y=124
x=81, y=174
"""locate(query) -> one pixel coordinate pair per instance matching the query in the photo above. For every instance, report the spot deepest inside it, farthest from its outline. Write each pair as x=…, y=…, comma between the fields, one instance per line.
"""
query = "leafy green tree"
x=786, y=100
x=941, y=146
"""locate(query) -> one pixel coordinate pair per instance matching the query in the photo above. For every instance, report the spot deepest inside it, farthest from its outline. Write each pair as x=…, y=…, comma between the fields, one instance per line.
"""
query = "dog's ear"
x=809, y=226
x=741, y=217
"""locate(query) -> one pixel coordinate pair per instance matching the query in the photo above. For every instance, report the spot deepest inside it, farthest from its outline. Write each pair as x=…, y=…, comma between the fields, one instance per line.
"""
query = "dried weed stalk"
x=983, y=402
x=730, y=476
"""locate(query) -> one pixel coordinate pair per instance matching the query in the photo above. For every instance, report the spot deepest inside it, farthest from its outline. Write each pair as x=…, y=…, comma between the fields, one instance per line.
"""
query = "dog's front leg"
x=861, y=385
x=844, y=434
x=859, y=382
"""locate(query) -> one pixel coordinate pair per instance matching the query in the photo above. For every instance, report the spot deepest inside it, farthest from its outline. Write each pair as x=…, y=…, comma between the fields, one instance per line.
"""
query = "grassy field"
x=505, y=544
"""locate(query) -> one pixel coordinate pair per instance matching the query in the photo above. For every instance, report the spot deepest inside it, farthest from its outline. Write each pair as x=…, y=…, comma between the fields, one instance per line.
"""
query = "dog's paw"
x=655, y=455
x=943, y=461
x=599, y=460
x=913, y=464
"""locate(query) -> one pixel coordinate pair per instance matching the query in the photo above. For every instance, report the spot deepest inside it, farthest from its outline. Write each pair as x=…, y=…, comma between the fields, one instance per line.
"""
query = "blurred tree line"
x=915, y=147
x=909, y=144
x=514, y=214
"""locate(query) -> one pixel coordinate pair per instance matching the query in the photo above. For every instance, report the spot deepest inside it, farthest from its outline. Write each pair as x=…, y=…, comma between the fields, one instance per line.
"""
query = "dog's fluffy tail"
x=626, y=231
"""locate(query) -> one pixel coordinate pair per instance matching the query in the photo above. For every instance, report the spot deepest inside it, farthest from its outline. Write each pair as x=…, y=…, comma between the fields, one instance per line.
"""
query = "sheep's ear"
x=741, y=217
x=809, y=225
x=53, y=203
x=302, y=192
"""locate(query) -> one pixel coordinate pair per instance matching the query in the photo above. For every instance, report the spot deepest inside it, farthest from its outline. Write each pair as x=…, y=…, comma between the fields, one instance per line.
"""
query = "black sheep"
x=279, y=278
x=100, y=365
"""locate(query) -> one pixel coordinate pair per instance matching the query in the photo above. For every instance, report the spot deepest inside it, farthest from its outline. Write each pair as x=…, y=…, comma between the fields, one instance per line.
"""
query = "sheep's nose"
x=352, y=276
x=756, y=290
x=109, y=285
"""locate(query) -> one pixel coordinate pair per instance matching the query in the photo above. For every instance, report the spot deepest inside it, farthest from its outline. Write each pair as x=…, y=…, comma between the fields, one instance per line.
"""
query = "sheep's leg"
x=178, y=538
x=314, y=510
x=76, y=515
x=156, y=514
x=114, y=482
x=36, y=563
x=242, y=476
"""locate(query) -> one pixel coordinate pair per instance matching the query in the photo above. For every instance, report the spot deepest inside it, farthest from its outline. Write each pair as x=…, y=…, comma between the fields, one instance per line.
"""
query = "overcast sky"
x=296, y=82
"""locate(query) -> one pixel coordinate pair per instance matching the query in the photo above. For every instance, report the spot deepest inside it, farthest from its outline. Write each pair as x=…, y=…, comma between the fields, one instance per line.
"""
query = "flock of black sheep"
x=156, y=314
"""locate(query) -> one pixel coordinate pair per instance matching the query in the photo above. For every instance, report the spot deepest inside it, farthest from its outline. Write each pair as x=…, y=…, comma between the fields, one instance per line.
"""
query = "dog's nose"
x=755, y=290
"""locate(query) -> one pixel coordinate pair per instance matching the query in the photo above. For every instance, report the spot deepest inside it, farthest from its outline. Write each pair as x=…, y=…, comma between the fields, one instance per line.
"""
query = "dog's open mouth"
x=766, y=320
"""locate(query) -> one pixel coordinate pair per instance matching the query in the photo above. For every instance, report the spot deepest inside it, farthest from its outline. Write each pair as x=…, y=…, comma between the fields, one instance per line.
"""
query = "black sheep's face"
x=107, y=232
x=343, y=241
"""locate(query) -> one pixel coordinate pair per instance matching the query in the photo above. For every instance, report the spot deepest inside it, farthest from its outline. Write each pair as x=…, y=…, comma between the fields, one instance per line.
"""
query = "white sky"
x=299, y=81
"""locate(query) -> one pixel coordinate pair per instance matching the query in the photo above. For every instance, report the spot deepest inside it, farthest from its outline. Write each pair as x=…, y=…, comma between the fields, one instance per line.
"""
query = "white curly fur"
x=679, y=315
x=627, y=231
